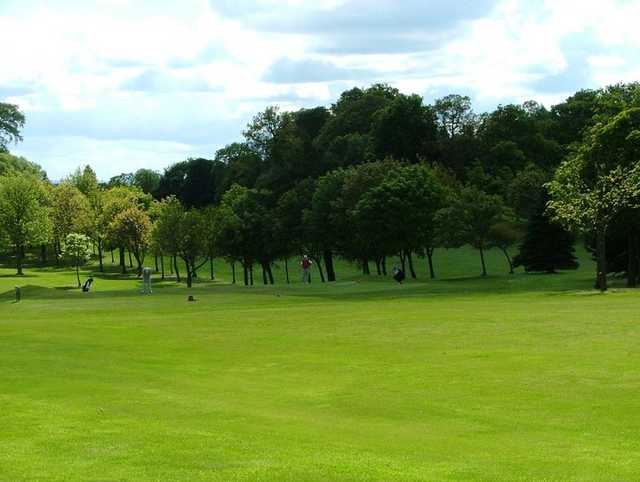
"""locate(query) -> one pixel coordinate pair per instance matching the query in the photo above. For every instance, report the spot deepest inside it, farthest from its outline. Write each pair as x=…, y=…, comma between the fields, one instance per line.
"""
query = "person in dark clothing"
x=398, y=274
x=87, y=285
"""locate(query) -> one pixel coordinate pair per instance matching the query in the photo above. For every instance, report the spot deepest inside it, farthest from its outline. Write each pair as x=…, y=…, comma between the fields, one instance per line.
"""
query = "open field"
x=519, y=377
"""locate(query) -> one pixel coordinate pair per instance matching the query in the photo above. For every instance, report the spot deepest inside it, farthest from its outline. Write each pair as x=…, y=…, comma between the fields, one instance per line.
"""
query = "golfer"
x=306, y=269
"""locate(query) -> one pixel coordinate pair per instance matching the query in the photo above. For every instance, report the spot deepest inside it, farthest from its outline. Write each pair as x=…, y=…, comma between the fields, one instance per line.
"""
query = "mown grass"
x=520, y=377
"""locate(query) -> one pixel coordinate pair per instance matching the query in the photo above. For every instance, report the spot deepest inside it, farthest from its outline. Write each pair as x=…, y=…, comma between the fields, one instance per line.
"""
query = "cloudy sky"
x=124, y=84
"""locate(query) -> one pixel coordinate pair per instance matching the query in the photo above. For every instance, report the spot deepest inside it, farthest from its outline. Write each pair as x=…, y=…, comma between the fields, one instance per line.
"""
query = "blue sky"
x=124, y=84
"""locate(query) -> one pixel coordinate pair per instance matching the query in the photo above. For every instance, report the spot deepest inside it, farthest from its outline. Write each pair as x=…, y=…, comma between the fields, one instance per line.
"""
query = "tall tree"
x=166, y=230
x=132, y=228
x=454, y=114
x=114, y=201
x=599, y=181
x=547, y=246
x=147, y=180
x=70, y=213
x=469, y=219
x=11, y=123
x=77, y=247
x=347, y=138
x=23, y=215
x=323, y=228
x=243, y=165
x=405, y=130
x=504, y=235
x=85, y=180
x=195, y=182
x=401, y=210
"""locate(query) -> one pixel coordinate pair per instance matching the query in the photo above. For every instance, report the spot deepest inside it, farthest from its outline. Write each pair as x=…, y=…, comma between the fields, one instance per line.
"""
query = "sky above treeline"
x=125, y=84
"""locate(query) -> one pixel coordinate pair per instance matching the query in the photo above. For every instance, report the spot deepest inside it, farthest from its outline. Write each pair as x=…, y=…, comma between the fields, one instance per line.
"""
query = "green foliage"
x=131, y=228
x=399, y=213
x=405, y=130
x=599, y=181
x=147, y=180
x=243, y=165
x=454, y=114
x=195, y=182
x=10, y=163
x=504, y=235
x=85, y=180
x=547, y=246
x=122, y=180
x=70, y=211
x=11, y=123
x=468, y=219
x=526, y=190
x=77, y=248
x=247, y=228
x=23, y=213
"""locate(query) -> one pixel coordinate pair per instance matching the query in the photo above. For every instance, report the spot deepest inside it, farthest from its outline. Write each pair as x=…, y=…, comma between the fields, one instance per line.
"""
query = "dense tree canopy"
x=379, y=175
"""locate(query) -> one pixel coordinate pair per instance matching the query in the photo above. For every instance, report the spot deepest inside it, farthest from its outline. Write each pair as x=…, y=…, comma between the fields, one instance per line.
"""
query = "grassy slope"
x=506, y=378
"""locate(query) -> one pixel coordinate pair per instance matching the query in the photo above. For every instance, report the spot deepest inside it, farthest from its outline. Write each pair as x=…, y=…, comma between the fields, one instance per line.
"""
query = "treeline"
x=380, y=174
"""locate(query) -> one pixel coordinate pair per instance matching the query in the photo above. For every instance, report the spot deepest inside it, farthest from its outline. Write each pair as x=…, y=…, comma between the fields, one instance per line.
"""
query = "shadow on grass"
x=134, y=290
x=356, y=289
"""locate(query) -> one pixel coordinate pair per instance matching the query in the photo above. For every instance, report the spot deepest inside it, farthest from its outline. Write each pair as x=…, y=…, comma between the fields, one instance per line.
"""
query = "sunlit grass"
x=520, y=377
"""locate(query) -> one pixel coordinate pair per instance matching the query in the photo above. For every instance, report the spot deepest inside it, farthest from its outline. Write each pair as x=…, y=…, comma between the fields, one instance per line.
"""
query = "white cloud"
x=116, y=82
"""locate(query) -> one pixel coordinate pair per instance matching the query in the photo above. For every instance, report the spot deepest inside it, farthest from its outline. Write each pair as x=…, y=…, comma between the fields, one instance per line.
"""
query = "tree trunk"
x=319, y=265
x=365, y=267
x=484, y=266
x=286, y=269
x=19, y=252
x=264, y=273
x=632, y=253
x=246, y=274
x=378, y=270
x=162, y=265
x=328, y=262
x=506, y=255
x=211, y=273
x=270, y=274
x=123, y=264
x=384, y=266
x=100, y=255
x=113, y=261
x=411, y=268
x=139, y=260
x=56, y=252
x=130, y=260
x=190, y=268
x=233, y=272
x=43, y=254
x=251, y=274
x=429, y=251
x=78, y=273
x=175, y=268
x=403, y=261
x=155, y=258
x=601, y=256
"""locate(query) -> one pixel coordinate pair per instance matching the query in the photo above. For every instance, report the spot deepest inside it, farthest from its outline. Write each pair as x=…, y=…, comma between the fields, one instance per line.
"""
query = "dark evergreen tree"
x=547, y=246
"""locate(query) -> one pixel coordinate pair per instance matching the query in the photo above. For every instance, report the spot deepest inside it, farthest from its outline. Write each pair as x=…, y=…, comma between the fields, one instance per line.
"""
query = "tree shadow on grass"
x=73, y=293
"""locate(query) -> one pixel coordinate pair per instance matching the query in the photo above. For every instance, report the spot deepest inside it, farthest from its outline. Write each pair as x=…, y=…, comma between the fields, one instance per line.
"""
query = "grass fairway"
x=507, y=378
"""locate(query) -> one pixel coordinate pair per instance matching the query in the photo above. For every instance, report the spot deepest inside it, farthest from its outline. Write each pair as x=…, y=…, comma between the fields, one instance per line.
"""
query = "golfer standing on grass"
x=306, y=269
